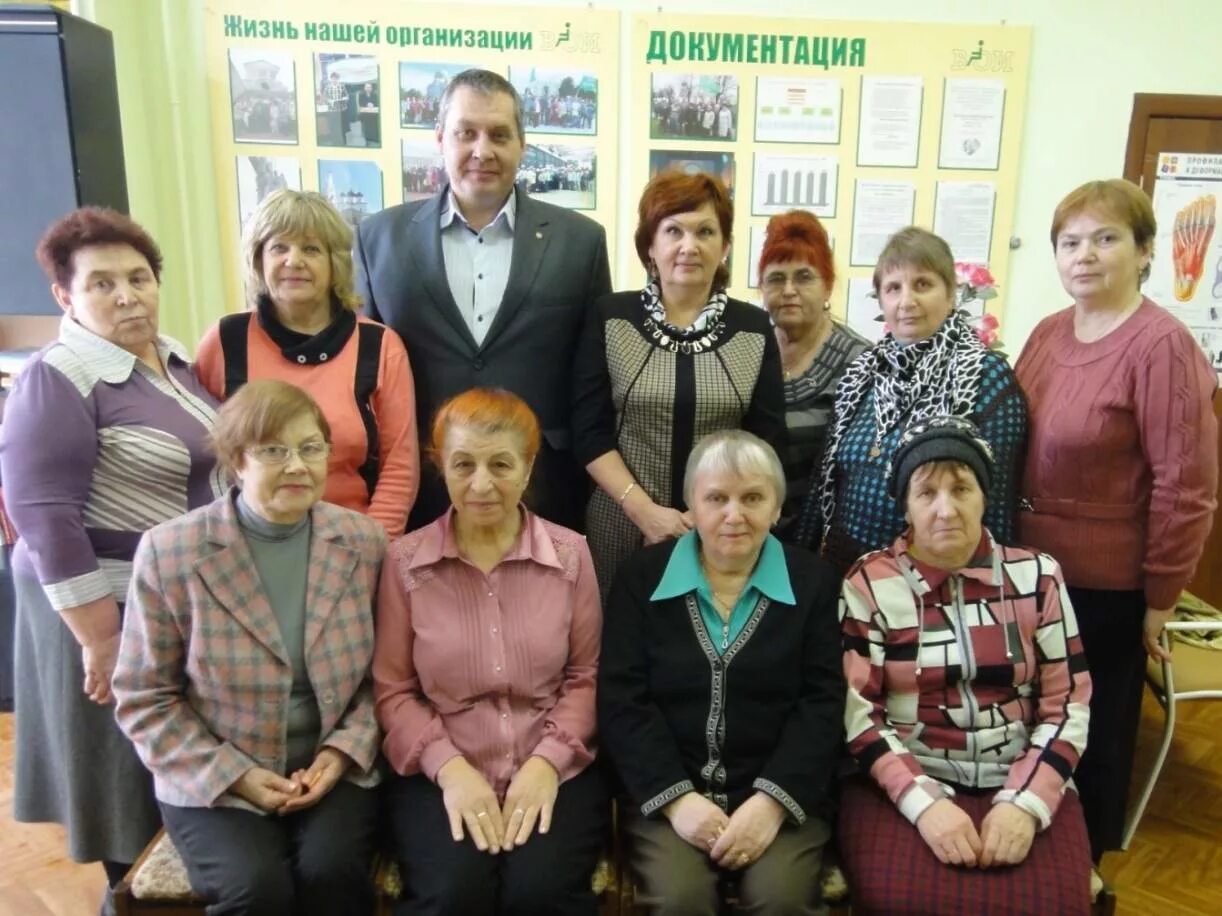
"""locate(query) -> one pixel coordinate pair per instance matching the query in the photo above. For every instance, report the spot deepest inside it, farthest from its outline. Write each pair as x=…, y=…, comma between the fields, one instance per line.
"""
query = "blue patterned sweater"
x=867, y=519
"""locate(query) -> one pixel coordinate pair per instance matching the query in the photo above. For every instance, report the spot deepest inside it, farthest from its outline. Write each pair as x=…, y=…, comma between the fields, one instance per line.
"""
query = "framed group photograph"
x=557, y=101
x=693, y=106
x=560, y=174
x=424, y=170
x=421, y=86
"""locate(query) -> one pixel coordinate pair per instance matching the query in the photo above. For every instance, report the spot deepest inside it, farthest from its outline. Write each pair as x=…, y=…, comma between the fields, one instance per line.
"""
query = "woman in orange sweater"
x=302, y=328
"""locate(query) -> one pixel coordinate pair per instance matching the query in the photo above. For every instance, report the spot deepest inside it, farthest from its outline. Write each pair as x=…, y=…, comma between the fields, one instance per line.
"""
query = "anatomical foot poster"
x=1186, y=274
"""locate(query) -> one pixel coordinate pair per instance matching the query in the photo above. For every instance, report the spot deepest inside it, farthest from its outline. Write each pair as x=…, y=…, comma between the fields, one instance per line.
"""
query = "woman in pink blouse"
x=487, y=649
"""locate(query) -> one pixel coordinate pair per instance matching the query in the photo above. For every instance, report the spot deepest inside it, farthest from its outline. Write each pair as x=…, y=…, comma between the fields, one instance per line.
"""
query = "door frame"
x=1147, y=105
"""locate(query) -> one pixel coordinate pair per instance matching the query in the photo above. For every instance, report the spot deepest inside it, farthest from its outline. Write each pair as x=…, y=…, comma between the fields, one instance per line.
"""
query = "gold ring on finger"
x=482, y=814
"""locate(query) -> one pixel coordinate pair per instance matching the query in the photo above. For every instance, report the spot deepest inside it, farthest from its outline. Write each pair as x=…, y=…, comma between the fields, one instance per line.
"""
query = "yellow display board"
x=342, y=99
x=870, y=125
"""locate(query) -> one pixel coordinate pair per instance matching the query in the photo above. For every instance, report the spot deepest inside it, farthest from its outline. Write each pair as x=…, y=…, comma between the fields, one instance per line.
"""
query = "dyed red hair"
x=669, y=193
x=798, y=237
x=489, y=410
x=91, y=226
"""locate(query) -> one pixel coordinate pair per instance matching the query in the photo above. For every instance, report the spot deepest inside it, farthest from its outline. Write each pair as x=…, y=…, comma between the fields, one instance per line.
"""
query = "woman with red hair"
x=796, y=276
x=488, y=634
x=659, y=369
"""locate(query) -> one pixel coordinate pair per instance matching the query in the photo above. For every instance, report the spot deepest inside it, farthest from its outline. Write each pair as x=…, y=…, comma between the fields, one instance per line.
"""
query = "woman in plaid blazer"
x=243, y=673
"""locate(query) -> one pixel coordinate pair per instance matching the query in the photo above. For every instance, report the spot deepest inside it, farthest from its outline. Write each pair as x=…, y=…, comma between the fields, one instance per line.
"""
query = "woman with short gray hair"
x=728, y=773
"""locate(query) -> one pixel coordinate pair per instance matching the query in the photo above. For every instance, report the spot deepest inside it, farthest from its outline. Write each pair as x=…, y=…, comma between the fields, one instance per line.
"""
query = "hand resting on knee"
x=950, y=833
x=697, y=820
x=1004, y=839
x=1005, y=835
x=752, y=828
x=469, y=800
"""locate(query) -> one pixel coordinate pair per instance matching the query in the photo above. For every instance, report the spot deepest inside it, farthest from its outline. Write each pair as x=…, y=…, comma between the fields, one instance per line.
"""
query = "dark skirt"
x=74, y=766
x=1111, y=625
x=891, y=870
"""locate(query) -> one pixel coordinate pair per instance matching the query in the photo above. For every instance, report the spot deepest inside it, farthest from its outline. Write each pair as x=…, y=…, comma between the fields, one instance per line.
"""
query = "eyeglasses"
x=802, y=279
x=276, y=455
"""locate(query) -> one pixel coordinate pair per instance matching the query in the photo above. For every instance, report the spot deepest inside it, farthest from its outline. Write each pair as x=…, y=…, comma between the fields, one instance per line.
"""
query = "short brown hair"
x=289, y=212
x=91, y=226
x=258, y=412
x=798, y=236
x=1115, y=198
x=920, y=249
x=489, y=410
x=669, y=193
x=486, y=83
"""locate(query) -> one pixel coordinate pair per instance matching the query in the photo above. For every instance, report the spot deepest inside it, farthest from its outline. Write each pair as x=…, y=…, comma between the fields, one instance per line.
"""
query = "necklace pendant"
x=875, y=451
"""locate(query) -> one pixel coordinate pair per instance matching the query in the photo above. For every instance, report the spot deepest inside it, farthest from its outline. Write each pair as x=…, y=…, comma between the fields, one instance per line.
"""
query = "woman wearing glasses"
x=243, y=673
x=796, y=276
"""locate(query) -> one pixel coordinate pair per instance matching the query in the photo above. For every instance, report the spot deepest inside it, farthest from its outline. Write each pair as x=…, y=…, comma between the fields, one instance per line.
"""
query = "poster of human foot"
x=1186, y=273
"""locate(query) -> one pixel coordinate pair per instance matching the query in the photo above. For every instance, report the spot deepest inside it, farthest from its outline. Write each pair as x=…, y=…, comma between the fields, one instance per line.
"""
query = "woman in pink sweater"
x=1121, y=466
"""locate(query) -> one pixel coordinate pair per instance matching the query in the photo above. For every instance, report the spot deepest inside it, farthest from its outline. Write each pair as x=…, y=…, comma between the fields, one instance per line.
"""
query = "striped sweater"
x=97, y=448
x=973, y=679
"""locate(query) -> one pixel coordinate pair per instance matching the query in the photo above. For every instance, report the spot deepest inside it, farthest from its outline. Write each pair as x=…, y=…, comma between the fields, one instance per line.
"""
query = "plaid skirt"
x=891, y=870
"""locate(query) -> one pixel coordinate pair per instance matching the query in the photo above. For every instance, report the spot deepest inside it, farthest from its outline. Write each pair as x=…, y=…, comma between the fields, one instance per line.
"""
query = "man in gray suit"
x=487, y=287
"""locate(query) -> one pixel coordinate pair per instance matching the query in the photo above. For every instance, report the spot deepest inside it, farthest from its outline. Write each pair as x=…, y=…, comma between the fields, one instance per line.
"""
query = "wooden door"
x=1181, y=124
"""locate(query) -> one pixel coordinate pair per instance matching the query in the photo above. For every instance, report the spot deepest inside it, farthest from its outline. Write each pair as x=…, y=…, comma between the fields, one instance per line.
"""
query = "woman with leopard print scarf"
x=930, y=363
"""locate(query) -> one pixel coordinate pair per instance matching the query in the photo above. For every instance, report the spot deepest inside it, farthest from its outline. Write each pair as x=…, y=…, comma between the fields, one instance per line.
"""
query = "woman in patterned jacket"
x=244, y=672
x=967, y=704
x=930, y=363
x=658, y=369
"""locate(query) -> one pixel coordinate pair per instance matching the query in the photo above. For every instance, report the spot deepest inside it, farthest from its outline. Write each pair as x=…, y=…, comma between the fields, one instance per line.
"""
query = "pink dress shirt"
x=496, y=667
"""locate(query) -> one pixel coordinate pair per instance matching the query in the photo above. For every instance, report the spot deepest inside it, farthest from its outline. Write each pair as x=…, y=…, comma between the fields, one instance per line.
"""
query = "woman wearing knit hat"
x=967, y=704
x=796, y=275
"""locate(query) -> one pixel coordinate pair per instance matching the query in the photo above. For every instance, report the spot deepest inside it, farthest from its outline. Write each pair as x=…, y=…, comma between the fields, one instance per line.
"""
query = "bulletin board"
x=870, y=125
x=342, y=99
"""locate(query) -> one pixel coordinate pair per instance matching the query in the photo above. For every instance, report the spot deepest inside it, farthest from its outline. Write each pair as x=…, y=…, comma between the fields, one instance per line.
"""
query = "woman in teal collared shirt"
x=738, y=764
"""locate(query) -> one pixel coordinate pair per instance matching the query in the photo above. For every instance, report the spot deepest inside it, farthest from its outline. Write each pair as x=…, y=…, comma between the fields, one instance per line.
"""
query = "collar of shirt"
x=984, y=566
x=450, y=212
x=307, y=349
x=112, y=363
x=684, y=573
x=439, y=543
